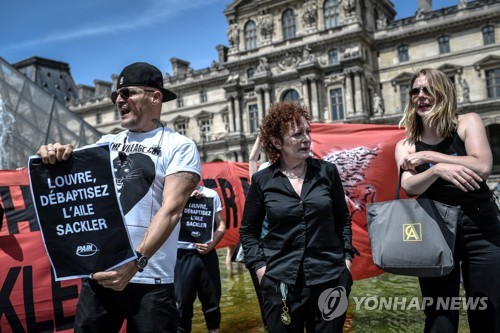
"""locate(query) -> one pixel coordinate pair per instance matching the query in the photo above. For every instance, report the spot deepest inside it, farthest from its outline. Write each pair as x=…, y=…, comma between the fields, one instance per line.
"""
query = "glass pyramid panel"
x=30, y=117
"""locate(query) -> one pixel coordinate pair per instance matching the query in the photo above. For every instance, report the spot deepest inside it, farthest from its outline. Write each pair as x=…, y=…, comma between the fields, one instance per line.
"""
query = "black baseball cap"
x=146, y=75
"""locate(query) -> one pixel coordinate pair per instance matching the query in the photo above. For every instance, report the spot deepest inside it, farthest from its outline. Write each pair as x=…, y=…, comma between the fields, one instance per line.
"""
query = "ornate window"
x=337, y=104
x=291, y=95
x=331, y=13
x=488, y=35
x=204, y=130
x=333, y=56
x=250, y=35
x=403, y=53
x=98, y=118
x=493, y=83
x=444, y=44
x=180, y=128
x=288, y=23
x=253, y=115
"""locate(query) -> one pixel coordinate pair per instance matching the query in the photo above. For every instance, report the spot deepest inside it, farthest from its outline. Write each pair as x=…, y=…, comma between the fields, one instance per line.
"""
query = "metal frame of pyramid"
x=30, y=117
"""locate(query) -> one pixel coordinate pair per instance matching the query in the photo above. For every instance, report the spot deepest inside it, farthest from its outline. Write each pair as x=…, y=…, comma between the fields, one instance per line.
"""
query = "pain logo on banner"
x=79, y=214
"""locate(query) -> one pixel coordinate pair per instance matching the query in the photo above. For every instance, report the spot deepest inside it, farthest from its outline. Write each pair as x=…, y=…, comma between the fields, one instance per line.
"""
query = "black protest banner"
x=197, y=222
x=78, y=212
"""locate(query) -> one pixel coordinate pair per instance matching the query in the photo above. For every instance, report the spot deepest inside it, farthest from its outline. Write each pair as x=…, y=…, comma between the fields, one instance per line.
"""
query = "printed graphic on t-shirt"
x=134, y=175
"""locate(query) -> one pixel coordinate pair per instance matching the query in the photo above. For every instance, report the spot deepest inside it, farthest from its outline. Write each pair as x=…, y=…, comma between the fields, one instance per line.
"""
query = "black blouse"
x=311, y=232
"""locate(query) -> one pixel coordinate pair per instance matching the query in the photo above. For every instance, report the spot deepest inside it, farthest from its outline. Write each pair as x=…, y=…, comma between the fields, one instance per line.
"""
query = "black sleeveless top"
x=442, y=190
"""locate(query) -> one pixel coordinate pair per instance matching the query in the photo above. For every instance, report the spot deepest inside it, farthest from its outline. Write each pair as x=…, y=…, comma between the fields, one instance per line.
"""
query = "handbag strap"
x=398, y=188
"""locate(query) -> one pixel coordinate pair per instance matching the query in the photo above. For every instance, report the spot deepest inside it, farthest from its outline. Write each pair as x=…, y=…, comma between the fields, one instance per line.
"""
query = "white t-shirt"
x=209, y=193
x=141, y=162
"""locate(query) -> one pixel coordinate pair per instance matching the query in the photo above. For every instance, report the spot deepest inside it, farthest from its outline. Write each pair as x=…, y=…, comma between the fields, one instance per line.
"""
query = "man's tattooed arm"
x=192, y=177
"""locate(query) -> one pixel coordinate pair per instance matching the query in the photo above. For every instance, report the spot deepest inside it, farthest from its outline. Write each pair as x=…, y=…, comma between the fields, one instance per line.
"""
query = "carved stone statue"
x=289, y=61
x=465, y=91
x=382, y=22
x=263, y=65
x=233, y=34
x=349, y=7
x=378, y=105
x=462, y=4
x=310, y=14
x=265, y=26
x=307, y=56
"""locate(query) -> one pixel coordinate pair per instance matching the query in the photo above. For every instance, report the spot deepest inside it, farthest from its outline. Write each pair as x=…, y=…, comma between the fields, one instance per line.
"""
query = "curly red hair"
x=280, y=117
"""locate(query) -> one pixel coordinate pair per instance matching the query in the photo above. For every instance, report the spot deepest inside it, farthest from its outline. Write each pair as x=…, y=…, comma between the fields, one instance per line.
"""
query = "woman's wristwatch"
x=141, y=262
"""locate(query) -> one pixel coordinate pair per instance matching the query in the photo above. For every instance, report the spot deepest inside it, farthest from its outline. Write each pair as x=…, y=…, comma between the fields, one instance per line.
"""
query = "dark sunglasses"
x=415, y=91
x=125, y=93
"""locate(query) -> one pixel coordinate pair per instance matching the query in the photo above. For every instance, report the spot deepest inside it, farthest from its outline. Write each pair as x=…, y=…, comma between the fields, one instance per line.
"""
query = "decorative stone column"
x=314, y=99
x=230, y=112
x=237, y=112
x=260, y=104
x=305, y=92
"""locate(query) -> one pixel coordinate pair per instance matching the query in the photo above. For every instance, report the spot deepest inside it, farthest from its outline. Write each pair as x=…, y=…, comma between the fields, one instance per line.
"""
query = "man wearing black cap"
x=156, y=170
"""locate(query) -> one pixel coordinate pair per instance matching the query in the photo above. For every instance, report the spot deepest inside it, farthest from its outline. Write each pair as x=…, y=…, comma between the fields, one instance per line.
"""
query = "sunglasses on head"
x=415, y=91
x=126, y=92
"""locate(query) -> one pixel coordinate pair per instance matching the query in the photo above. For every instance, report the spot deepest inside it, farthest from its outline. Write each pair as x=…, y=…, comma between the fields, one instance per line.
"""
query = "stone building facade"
x=347, y=60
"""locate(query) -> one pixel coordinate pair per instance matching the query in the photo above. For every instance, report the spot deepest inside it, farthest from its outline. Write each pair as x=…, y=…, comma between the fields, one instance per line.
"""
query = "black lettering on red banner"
x=229, y=202
x=226, y=203
x=14, y=216
x=29, y=305
x=245, y=185
x=6, y=307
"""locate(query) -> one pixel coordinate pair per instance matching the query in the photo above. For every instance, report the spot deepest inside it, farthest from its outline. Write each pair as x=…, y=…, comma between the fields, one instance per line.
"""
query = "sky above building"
x=97, y=38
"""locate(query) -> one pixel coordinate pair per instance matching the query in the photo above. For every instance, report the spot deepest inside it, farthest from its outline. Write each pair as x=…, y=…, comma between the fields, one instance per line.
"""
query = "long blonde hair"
x=442, y=115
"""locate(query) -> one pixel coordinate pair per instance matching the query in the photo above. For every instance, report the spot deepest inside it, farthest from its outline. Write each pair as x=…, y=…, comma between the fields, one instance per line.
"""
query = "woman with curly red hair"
x=303, y=263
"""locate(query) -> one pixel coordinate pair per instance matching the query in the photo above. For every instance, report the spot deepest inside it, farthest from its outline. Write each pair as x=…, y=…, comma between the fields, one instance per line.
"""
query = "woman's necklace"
x=292, y=176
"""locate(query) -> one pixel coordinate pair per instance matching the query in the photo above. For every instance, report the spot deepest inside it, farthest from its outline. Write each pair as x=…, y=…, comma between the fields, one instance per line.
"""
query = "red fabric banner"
x=364, y=155
x=31, y=300
x=230, y=181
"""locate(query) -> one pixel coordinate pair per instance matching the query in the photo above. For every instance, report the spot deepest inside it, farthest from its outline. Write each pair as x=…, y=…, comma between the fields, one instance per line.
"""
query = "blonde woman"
x=446, y=157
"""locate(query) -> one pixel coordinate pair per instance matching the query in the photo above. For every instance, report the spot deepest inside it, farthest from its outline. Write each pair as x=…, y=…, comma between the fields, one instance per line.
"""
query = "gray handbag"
x=414, y=237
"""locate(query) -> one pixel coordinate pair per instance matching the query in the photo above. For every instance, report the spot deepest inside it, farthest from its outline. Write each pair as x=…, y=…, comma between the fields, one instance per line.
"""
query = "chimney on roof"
x=424, y=6
x=179, y=66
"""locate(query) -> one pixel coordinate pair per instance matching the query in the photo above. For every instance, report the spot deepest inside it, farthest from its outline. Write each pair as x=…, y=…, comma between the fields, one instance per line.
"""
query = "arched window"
x=291, y=95
x=331, y=13
x=250, y=35
x=288, y=23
